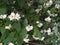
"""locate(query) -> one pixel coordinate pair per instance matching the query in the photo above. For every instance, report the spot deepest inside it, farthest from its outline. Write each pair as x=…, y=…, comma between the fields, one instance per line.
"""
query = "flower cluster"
x=37, y=23
x=14, y=16
x=3, y=16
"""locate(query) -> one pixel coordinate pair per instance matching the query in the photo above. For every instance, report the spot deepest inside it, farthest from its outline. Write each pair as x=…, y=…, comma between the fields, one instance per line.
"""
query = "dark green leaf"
x=3, y=10
x=37, y=32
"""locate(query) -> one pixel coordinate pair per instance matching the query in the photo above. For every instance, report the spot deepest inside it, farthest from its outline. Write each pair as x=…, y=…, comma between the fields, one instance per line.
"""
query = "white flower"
x=40, y=25
x=48, y=4
x=14, y=16
x=29, y=3
x=53, y=15
x=23, y=15
x=42, y=38
x=56, y=14
x=3, y=16
x=10, y=44
x=57, y=6
x=49, y=31
x=17, y=16
x=8, y=27
x=36, y=38
x=27, y=44
x=26, y=39
x=43, y=31
x=37, y=22
x=48, y=12
x=37, y=10
x=1, y=44
x=14, y=2
x=48, y=19
x=29, y=28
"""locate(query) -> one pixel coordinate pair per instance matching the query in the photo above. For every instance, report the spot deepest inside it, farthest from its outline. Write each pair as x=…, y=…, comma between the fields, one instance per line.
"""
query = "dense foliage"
x=30, y=22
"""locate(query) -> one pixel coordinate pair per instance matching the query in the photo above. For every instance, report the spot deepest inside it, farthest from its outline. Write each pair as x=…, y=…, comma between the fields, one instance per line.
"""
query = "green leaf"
x=54, y=42
x=2, y=29
x=3, y=10
x=37, y=32
x=57, y=1
x=21, y=37
x=9, y=38
x=41, y=1
x=19, y=40
x=53, y=10
x=22, y=33
x=25, y=22
x=17, y=26
x=21, y=3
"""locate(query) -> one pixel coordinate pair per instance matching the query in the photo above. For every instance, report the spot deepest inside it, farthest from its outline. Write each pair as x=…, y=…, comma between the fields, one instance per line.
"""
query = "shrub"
x=30, y=22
